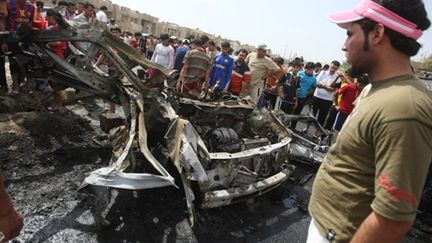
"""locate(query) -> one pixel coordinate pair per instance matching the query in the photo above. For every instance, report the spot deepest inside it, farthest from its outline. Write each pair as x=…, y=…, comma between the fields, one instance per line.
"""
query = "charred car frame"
x=224, y=151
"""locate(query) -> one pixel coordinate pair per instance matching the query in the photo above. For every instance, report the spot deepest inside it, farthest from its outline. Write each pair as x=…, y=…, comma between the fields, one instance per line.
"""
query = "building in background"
x=134, y=21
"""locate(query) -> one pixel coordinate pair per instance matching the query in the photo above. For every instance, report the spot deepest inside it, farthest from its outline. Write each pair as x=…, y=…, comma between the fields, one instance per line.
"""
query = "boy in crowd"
x=212, y=51
x=307, y=86
x=339, y=82
x=221, y=71
x=272, y=85
x=289, y=89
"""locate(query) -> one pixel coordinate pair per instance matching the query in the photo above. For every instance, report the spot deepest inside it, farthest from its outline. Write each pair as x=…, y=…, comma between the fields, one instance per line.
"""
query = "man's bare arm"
x=182, y=76
x=377, y=228
x=326, y=87
x=335, y=98
x=100, y=59
x=334, y=82
x=11, y=222
x=207, y=77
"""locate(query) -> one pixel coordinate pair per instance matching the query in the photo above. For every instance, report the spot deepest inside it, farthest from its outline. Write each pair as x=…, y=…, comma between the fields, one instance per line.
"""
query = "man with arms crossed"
x=369, y=186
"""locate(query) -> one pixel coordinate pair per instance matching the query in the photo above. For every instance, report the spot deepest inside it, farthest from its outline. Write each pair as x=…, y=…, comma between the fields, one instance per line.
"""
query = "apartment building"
x=134, y=21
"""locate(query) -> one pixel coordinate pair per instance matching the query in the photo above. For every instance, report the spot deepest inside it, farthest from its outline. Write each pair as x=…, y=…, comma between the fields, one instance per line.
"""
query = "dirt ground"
x=45, y=157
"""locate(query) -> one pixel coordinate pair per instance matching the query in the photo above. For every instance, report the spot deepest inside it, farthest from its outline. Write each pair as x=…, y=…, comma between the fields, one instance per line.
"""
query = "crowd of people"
x=270, y=82
x=205, y=67
x=333, y=97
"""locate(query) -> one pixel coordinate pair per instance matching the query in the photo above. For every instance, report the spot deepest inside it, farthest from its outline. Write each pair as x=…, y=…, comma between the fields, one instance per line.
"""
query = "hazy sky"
x=288, y=27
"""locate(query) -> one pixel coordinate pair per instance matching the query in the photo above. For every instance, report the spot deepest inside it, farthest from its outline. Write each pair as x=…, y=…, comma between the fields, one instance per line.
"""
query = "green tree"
x=344, y=66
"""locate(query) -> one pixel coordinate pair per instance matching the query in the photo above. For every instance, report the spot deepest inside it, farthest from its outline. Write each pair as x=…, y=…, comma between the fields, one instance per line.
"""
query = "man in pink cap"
x=368, y=187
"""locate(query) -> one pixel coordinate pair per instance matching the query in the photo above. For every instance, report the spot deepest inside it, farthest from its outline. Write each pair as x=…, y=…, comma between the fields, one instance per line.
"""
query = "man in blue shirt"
x=180, y=53
x=222, y=70
x=307, y=86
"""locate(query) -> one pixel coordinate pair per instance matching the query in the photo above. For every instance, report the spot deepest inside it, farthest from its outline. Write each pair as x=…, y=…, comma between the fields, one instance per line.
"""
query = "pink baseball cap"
x=374, y=11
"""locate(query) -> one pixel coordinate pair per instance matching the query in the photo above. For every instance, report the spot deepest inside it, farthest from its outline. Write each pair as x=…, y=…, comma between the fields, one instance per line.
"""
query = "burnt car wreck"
x=221, y=151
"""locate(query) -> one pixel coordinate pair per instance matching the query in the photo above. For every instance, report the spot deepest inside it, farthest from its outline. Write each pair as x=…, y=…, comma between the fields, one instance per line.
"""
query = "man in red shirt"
x=349, y=94
x=272, y=84
x=135, y=40
x=240, y=75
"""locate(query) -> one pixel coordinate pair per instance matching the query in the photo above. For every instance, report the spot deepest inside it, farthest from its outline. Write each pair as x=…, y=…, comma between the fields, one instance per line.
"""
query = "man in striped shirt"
x=196, y=70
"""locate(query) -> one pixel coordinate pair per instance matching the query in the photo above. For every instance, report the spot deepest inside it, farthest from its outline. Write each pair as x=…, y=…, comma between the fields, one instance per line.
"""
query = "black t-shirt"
x=290, y=87
x=241, y=67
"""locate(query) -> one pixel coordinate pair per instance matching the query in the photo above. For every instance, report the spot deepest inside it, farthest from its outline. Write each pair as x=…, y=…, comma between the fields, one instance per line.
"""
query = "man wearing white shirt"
x=164, y=53
x=323, y=96
x=101, y=15
x=85, y=18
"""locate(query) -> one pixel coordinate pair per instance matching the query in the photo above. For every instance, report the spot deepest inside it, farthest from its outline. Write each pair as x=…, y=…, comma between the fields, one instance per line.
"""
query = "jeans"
x=287, y=107
x=321, y=107
x=269, y=100
x=331, y=117
x=298, y=110
x=340, y=120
